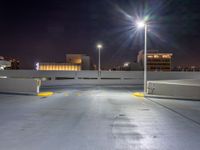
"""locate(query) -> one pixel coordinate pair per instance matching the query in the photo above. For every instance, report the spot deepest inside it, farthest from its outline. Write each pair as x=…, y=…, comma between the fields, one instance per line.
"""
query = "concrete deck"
x=97, y=118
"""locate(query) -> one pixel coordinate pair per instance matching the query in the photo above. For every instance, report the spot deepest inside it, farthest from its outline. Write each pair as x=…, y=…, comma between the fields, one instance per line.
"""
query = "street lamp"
x=99, y=46
x=143, y=24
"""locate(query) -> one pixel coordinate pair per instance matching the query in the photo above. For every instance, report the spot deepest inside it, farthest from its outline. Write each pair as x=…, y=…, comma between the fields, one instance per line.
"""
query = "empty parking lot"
x=97, y=118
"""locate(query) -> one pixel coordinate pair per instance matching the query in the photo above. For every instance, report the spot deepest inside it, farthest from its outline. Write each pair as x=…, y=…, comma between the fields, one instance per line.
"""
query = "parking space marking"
x=45, y=94
x=78, y=94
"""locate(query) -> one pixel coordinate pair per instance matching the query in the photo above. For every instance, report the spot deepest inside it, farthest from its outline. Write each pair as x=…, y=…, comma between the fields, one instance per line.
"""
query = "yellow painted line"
x=138, y=94
x=66, y=94
x=45, y=94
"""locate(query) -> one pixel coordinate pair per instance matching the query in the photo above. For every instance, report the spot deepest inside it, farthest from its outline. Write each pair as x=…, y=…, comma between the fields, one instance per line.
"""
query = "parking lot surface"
x=97, y=118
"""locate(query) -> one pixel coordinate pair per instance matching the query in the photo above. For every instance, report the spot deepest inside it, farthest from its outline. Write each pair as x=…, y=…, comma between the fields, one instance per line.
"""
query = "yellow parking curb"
x=78, y=94
x=66, y=94
x=138, y=94
x=45, y=94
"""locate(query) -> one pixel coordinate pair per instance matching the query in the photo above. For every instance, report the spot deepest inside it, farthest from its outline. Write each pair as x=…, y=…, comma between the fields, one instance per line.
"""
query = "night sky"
x=45, y=30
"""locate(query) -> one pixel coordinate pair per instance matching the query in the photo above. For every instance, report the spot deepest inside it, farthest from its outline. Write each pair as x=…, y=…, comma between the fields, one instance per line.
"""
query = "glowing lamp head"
x=141, y=24
x=99, y=46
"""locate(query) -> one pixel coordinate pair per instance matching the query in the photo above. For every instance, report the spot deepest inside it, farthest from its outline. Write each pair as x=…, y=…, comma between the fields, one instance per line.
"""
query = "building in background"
x=8, y=63
x=156, y=61
x=128, y=66
x=4, y=63
x=79, y=59
x=74, y=62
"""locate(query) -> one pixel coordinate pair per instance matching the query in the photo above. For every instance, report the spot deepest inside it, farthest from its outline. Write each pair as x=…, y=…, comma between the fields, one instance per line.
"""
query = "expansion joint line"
x=170, y=109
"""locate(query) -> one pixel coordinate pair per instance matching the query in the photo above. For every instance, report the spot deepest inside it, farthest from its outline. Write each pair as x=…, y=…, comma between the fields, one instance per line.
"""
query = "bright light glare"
x=99, y=46
x=141, y=24
x=126, y=64
x=37, y=66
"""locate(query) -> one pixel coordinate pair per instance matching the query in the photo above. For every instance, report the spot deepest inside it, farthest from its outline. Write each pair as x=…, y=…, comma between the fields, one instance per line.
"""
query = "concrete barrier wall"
x=172, y=75
x=22, y=86
x=54, y=78
x=93, y=77
x=182, y=89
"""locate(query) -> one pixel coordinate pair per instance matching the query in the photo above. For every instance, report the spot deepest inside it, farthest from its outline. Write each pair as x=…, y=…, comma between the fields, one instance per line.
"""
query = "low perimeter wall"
x=56, y=78
x=22, y=86
x=181, y=89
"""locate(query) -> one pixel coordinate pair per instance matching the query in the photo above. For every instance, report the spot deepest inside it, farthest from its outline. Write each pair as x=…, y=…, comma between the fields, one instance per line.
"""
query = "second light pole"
x=99, y=46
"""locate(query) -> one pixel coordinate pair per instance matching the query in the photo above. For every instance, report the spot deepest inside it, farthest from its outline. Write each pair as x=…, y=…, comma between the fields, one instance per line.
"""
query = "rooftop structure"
x=102, y=108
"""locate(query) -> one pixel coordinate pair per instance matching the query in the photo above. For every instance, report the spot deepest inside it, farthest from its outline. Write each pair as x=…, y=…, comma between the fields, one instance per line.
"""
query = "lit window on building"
x=58, y=67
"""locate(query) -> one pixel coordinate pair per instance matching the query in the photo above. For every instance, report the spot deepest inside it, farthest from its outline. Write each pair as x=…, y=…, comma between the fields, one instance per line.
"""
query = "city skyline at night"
x=43, y=31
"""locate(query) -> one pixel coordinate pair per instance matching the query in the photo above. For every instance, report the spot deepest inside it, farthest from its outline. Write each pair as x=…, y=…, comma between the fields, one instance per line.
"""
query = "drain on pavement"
x=43, y=97
x=122, y=115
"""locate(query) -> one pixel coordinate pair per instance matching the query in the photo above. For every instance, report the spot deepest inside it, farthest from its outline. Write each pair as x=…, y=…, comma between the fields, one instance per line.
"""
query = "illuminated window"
x=78, y=61
x=150, y=56
x=58, y=67
x=73, y=67
x=156, y=56
x=70, y=67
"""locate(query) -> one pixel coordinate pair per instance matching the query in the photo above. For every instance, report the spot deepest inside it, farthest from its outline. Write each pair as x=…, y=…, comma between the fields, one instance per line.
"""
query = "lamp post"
x=99, y=46
x=143, y=24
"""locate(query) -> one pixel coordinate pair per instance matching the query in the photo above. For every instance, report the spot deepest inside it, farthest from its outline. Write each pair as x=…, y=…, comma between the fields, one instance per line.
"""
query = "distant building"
x=128, y=66
x=4, y=64
x=74, y=62
x=79, y=59
x=156, y=61
x=131, y=66
x=8, y=63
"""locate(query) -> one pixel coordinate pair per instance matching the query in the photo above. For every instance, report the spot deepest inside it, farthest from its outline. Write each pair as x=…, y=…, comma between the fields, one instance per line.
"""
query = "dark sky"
x=45, y=30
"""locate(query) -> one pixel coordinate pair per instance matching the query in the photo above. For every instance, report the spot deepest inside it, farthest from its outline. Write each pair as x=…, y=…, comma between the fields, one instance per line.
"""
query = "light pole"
x=143, y=24
x=99, y=46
